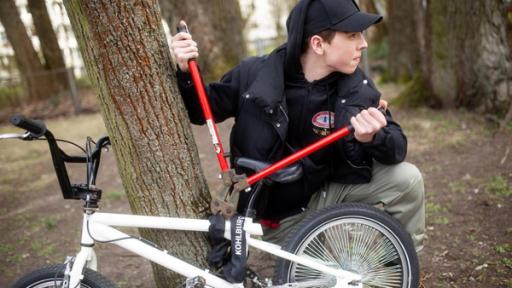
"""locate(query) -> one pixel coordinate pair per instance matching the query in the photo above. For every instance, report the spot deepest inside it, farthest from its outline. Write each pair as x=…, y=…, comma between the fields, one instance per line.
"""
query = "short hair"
x=327, y=35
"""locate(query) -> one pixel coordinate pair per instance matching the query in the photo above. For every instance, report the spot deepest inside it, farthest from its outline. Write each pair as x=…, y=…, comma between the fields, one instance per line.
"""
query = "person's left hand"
x=367, y=123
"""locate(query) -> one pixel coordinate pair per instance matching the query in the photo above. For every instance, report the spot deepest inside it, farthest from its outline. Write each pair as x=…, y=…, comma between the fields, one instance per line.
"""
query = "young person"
x=300, y=93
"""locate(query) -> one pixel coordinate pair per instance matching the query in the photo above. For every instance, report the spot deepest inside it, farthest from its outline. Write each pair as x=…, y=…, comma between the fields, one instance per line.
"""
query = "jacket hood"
x=295, y=26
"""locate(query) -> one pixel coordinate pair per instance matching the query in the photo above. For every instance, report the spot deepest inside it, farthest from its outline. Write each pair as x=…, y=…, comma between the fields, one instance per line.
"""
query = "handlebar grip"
x=36, y=127
x=182, y=27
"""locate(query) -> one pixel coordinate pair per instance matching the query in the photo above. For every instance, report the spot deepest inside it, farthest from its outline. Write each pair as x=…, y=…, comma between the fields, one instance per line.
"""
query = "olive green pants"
x=397, y=189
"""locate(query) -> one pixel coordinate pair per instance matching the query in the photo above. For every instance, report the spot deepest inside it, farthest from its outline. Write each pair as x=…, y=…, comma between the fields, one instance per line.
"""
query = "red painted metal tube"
x=203, y=99
x=300, y=154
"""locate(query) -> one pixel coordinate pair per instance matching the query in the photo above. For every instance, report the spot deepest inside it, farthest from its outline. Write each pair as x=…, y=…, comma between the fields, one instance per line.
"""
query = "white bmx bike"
x=346, y=246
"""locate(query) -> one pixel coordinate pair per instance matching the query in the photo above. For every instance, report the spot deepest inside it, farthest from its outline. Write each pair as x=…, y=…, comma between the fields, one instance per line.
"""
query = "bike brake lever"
x=27, y=136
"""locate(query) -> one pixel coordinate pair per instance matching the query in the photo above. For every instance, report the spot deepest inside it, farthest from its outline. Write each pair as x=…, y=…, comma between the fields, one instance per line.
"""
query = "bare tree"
x=376, y=32
x=49, y=44
x=470, y=64
x=280, y=9
x=404, y=50
x=217, y=26
x=128, y=60
x=464, y=55
x=37, y=80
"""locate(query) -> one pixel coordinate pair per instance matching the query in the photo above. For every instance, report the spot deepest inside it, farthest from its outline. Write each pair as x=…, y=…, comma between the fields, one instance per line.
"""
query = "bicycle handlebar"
x=36, y=127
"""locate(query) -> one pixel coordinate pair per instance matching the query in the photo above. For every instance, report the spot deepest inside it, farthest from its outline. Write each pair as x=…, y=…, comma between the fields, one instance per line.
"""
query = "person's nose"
x=363, y=44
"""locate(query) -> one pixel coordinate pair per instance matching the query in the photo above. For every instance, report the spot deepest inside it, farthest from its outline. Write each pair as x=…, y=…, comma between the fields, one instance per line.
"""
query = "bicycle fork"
x=86, y=258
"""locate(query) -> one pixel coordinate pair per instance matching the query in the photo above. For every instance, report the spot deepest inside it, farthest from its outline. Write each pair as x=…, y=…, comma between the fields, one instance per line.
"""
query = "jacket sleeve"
x=389, y=146
x=223, y=96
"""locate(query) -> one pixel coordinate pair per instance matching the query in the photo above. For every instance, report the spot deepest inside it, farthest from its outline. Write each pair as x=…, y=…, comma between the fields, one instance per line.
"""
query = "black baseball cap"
x=339, y=15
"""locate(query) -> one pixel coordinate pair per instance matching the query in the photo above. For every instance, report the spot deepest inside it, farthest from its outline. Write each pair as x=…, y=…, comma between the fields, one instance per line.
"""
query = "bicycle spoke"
x=355, y=247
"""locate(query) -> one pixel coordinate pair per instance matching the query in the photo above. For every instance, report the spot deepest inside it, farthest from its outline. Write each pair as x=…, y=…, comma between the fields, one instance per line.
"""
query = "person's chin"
x=349, y=70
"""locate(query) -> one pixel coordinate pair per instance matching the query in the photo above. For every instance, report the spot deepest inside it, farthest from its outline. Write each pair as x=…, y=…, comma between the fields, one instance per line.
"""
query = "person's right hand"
x=184, y=48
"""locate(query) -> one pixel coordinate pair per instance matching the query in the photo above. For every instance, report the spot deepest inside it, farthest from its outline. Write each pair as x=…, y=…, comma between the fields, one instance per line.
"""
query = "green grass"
x=433, y=208
x=471, y=237
x=503, y=248
x=9, y=253
x=114, y=195
x=43, y=249
x=49, y=222
x=507, y=262
x=499, y=186
x=441, y=220
x=457, y=186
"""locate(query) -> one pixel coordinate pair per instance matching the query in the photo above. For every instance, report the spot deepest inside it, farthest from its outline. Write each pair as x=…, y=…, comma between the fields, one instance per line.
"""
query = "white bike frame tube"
x=168, y=223
x=85, y=258
x=99, y=227
x=276, y=250
x=76, y=274
x=102, y=232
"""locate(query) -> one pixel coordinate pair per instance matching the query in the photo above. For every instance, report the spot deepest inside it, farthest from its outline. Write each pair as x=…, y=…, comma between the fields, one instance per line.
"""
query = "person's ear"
x=317, y=44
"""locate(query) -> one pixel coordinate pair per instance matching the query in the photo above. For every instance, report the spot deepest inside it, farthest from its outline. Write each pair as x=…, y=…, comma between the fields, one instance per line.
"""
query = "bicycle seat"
x=285, y=175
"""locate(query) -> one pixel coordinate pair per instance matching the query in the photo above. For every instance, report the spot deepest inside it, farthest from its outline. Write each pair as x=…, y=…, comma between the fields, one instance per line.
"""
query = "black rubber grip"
x=36, y=127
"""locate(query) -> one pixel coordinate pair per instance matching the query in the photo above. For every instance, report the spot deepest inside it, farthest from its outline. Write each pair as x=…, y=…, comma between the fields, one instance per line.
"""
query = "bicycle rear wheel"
x=53, y=276
x=353, y=237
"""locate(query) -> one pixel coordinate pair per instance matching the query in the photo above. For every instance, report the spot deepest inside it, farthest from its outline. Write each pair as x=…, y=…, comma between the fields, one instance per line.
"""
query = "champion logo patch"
x=323, y=122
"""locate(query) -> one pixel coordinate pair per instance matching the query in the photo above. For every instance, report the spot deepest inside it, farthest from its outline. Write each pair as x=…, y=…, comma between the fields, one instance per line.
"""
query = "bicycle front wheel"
x=352, y=237
x=53, y=277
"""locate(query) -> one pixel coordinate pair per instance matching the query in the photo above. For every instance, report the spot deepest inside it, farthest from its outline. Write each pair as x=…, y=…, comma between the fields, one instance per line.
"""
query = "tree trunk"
x=32, y=71
x=217, y=27
x=49, y=44
x=375, y=33
x=127, y=57
x=403, y=56
x=470, y=64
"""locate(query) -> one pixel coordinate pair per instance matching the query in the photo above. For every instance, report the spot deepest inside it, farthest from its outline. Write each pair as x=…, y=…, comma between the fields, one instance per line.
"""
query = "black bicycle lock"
x=231, y=255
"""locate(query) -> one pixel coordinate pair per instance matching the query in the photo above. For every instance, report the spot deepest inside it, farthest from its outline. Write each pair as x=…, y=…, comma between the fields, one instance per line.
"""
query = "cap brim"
x=358, y=22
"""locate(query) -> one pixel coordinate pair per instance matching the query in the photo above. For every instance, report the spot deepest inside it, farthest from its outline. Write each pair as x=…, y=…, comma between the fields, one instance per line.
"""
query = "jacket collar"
x=268, y=89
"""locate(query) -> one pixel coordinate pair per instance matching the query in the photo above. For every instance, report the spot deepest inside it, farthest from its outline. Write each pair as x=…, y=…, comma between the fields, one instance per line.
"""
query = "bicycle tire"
x=52, y=277
x=385, y=256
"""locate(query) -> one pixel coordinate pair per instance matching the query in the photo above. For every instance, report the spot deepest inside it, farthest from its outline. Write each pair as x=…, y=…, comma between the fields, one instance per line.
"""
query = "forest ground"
x=467, y=168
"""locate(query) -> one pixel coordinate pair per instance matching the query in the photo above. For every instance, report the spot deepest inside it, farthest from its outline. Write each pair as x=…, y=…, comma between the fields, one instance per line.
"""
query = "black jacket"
x=253, y=93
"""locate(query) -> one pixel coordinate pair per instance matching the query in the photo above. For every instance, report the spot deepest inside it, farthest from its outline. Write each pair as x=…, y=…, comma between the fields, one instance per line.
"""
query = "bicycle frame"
x=97, y=228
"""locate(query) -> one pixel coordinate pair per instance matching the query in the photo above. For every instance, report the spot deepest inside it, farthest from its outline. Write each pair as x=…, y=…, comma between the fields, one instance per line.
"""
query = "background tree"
x=37, y=81
x=279, y=10
x=49, y=44
x=376, y=33
x=508, y=15
x=217, y=27
x=128, y=60
x=465, y=56
x=470, y=65
x=404, y=52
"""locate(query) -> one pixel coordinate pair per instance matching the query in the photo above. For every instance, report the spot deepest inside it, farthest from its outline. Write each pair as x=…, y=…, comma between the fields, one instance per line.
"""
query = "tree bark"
x=49, y=44
x=464, y=56
x=38, y=85
x=470, y=64
x=403, y=56
x=217, y=27
x=376, y=33
x=127, y=57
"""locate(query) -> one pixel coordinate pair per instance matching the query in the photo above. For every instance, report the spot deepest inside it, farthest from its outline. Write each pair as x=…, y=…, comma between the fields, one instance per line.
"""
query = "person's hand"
x=367, y=123
x=184, y=48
